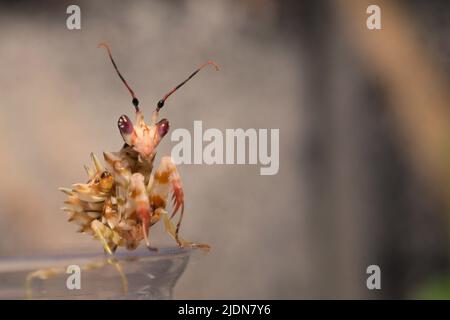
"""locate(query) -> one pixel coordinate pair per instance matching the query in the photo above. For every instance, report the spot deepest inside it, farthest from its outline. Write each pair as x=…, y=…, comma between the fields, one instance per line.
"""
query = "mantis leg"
x=171, y=230
x=165, y=180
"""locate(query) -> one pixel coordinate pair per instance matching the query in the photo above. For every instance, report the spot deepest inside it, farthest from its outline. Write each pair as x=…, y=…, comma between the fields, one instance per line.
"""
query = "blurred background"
x=364, y=121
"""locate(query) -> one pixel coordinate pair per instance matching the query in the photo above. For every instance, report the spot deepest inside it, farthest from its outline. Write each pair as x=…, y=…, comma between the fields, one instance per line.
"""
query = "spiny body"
x=124, y=198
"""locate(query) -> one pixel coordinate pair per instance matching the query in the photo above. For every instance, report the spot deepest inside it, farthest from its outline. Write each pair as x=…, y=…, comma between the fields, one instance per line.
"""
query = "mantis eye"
x=126, y=128
x=163, y=127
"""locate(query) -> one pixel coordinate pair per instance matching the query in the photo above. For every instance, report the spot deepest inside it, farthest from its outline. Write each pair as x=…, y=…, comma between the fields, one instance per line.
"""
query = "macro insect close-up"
x=314, y=165
x=123, y=199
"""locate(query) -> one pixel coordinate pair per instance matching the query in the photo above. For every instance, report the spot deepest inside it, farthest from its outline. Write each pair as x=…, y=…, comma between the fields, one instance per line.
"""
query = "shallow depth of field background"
x=364, y=135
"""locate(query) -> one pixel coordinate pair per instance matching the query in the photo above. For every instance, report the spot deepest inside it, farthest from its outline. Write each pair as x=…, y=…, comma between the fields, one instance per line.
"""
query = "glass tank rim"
x=28, y=262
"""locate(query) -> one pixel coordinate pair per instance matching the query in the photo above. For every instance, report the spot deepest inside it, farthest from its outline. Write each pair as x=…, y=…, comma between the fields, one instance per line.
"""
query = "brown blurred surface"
x=352, y=189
